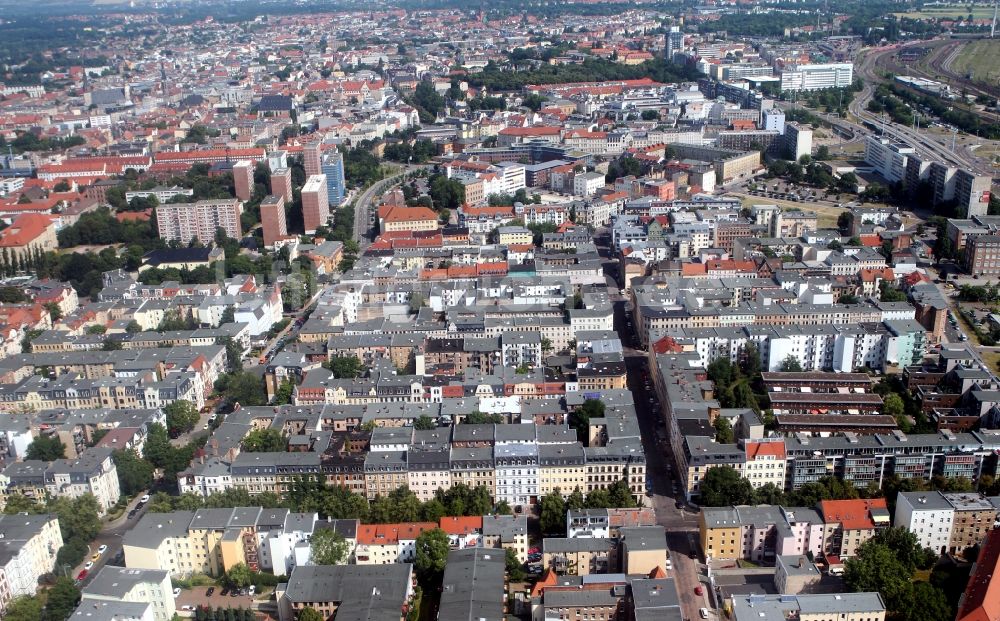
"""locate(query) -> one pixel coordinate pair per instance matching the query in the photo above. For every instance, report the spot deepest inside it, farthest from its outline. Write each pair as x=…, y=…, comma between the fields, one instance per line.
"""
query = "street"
x=111, y=535
x=681, y=525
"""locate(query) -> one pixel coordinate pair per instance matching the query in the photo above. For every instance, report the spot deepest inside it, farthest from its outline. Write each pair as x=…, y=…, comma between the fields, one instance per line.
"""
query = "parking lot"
x=198, y=596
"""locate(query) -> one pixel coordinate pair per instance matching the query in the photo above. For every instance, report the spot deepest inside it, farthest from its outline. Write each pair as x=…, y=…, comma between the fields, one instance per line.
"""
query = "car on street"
x=102, y=549
x=177, y=591
x=82, y=575
x=209, y=592
x=95, y=556
x=88, y=566
x=252, y=589
x=699, y=590
x=703, y=613
x=144, y=499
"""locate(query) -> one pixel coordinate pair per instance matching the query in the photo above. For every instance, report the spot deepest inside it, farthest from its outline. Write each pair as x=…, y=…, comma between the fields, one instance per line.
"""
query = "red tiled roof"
x=26, y=228
x=982, y=593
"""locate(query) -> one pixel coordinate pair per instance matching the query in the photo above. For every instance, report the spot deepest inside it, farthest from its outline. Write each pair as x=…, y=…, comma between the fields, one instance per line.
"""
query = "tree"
x=328, y=548
x=344, y=367
x=182, y=416
x=723, y=486
x=620, y=496
x=78, y=517
x=892, y=405
x=876, y=568
x=515, y=569
x=552, y=512
x=242, y=387
x=424, y=423
x=579, y=419
x=133, y=327
x=134, y=473
x=575, y=501
x=24, y=608
x=283, y=395
x=63, y=598
x=239, y=576
x=724, y=431
x=310, y=614
x=431, y=555
x=265, y=441
x=922, y=601
x=46, y=448
x=476, y=417
x=791, y=364
x=768, y=494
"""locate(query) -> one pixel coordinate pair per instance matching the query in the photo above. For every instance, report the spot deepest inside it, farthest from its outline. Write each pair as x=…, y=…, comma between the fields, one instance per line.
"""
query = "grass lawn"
x=949, y=12
x=991, y=358
x=826, y=214
x=979, y=57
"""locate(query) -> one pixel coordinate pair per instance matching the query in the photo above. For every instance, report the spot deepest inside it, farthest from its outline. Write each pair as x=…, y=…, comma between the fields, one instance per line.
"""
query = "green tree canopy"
x=265, y=441
x=723, y=486
x=328, y=547
x=46, y=448
x=182, y=416
x=431, y=555
x=552, y=510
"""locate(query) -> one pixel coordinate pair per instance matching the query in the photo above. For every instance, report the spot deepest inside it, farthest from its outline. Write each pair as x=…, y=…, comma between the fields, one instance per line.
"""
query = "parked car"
x=209, y=592
x=144, y=499
x=82, y=574
x=252, y=589
x=88, y=566
x=102, y=549
x=699, y=590
x=177, y=591
x=703, y=613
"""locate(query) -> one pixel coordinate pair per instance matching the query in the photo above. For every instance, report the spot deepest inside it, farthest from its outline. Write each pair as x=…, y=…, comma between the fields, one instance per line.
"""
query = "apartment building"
x=184, y=222
x=850, y=523
x=142, y=586
x=507, y=532
x=29, y=234
x=93, y=472
x=27, y=551
x=887, y=158
x=929, y=516
x=315, y=203
x=381, y=592
x=974, y=517
x=272, y=219
x=243, y=180
x=383, y=544
x=281, y=183
x=473, y=586
x=981, y=599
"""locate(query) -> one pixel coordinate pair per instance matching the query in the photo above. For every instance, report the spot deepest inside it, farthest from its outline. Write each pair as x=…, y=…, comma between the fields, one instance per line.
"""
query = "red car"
x=81, y=575
x=698, y=590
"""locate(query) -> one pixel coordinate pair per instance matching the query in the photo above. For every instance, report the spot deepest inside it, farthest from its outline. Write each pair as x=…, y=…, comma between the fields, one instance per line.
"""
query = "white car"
x=89, y=565
x=145, y=498
x=102, y=549
x=177, y=591
x=252, y=589
x=703, y=613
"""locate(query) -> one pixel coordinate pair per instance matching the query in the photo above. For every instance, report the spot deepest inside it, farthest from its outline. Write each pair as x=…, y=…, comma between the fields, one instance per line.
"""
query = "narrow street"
x=681, y=524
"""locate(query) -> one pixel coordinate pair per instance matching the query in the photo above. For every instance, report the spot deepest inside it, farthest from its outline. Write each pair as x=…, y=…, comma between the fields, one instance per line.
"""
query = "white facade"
x=586, y=184
x=887, y=158
x=817, y=77
x=29, y=547
x=517, y=474
x=144, y=586
x=928, y=515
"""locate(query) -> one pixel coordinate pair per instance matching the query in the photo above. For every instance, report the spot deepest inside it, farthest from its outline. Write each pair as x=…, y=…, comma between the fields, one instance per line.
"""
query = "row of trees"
x=338, y=502
x=553, y=506
x=55, y=604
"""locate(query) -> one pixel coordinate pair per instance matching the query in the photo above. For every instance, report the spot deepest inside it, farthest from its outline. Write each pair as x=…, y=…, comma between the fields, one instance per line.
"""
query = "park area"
x=949, y=11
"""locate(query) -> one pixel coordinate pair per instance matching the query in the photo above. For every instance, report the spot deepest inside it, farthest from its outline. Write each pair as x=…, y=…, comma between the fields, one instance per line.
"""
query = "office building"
x=674, y=43
x=797, y=141
x=187, y=221
x=817, y=77
x=281, y=183
x=773, y=120
x=972, y=193
x=312, y=154
x=272, y=219
x=333, y=167
x=243, y=179
x=315, y=204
